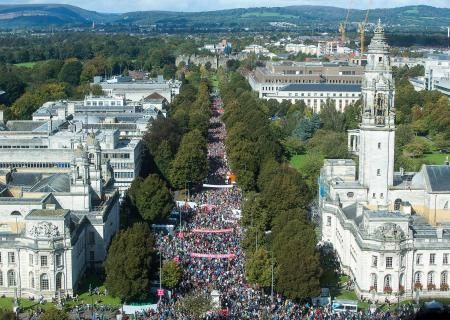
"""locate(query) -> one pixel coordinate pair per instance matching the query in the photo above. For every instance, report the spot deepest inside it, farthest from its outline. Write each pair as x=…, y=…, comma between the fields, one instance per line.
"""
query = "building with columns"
x=390, y=230
x=56, y=225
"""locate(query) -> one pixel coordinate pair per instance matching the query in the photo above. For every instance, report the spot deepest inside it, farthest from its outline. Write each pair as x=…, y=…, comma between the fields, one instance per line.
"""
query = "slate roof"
x=325, y=87
x=155, y=96
x=47, y=213
x=438, y=178
x=59, y=182
x=24, y=179
x=24, y=125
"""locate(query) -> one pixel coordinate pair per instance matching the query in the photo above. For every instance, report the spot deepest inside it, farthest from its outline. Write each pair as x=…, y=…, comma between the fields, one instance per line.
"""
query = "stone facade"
x=390, y=229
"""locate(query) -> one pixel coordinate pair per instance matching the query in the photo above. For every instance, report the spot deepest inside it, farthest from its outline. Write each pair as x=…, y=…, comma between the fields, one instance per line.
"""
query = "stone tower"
x=377, y=129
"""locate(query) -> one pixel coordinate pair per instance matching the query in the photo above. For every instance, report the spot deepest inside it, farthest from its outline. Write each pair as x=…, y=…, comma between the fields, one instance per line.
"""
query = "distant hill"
x=415, y=17
x=410, y=18
x=41, y=15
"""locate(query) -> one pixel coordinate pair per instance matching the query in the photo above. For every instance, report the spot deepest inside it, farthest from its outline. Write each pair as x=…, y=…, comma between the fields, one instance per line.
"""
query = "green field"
x=434, y=158
x=296, y=161
x=26, y=64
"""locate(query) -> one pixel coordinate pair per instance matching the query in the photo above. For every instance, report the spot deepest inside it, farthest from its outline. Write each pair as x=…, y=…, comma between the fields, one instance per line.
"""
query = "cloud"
x=204, y=5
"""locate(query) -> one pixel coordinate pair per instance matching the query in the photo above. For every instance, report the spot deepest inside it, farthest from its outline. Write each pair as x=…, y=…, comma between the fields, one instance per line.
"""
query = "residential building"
x=256, y=49
x=302, y=48
x=390, y=230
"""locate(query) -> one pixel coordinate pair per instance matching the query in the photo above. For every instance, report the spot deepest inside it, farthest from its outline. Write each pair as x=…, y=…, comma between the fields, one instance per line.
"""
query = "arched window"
x=397, y=204
x=388, y=281
x=11, y=278
x=444, y=278
x=44, y=282
x=31, y=279
x=418, y=277
x=373, y=281
x=431, y=277
x=59, y=281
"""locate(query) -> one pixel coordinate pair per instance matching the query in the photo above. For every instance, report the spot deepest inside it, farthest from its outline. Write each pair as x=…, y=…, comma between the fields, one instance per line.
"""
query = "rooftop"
x=47, y=213
x=438, y=178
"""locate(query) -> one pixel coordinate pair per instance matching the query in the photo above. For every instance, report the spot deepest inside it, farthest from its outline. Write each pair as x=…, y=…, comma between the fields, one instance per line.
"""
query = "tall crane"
x=362, y=29
x=343, y=25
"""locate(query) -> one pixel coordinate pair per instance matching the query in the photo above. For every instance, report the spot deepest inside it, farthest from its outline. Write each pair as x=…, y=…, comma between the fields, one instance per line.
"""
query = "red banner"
x=213, y=256
x=212, y=230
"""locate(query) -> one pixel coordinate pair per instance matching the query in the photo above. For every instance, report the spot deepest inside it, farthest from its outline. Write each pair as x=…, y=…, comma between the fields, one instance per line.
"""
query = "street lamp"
x=272, y=267
x=160, y=272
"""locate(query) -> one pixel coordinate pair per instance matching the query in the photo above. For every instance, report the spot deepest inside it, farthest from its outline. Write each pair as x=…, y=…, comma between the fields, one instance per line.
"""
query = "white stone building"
x=390, y=230
x=34, y=146
x=302, y=48
x=315, y=95
x=54, y=226
x=437, y=75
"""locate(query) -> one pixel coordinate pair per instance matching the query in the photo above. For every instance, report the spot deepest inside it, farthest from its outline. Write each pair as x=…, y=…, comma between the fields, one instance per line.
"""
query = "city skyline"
x=113, y=6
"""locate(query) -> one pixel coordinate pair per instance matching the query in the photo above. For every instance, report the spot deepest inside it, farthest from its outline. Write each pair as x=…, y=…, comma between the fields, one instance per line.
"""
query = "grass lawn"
x=26, y=64
x=296, y=161
x=25, y=304
x=434, y=158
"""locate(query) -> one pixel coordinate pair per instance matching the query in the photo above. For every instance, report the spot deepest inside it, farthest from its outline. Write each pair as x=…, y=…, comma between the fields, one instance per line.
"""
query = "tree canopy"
x=152, y=198
x=129, y=263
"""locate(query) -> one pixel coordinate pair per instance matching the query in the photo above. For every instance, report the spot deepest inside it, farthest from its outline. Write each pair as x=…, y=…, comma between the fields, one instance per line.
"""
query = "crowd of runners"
x=208, y=249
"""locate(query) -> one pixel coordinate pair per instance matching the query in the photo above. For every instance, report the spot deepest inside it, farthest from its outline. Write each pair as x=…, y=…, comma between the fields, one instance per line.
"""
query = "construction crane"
x=343, y=25
x=362, y=30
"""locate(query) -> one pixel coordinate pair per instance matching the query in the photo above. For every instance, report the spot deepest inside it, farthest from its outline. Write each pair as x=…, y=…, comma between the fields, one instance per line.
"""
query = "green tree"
x=330, y=266
x=152, y=198
x=11, y=84
x=163, y=158
x=33, y=99
x=331, y=118
x=128, y=265
x=258, y=268
x=329, y=143
x=298, y=260
x=71, y=71
x=416, y=148
x=171, y=274
x=195, y=305
x=97, y=90
x=190, y=164
x=54, y=314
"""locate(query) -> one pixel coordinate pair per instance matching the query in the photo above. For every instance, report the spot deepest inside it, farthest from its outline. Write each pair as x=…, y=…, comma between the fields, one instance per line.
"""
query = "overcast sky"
x=203, y=5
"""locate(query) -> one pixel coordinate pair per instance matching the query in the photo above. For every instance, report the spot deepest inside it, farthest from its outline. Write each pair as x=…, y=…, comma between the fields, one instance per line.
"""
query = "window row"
x=34, y=165
x=116, y=155
x=431, y=259
x=43, y=259
x=44, y=282
x=123, y=175
x=22, y=147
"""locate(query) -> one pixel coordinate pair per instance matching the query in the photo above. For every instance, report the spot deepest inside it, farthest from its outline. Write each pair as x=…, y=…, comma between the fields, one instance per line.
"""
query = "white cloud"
x=203, y=5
